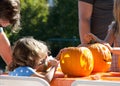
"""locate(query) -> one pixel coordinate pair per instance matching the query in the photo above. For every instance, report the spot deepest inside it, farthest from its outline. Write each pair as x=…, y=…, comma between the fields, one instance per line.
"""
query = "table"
x=62, y=80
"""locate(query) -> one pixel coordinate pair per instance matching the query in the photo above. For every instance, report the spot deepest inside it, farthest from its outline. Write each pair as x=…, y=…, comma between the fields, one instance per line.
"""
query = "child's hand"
x=51, y=61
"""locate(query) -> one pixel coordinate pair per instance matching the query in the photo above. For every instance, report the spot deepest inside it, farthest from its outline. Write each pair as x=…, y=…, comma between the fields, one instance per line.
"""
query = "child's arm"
x=51, y=73
x=52, y=63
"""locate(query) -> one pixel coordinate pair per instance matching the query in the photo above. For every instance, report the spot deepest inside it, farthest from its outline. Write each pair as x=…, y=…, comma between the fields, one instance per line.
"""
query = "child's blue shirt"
x=22, y=71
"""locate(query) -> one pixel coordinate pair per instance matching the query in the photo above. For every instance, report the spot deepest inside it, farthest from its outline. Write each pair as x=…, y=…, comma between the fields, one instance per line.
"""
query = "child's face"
x=40, y=62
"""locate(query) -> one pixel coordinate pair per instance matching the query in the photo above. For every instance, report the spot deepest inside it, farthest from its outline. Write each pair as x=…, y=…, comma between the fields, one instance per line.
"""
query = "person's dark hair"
x=10, y=10
x=28, y=52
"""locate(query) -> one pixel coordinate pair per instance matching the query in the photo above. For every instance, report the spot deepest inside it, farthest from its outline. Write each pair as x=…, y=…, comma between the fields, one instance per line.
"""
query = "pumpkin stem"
x=92, y=41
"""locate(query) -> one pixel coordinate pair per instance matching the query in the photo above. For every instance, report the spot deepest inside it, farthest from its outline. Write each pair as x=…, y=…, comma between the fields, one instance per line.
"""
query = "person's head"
x=28, y=52
x=116, y=12
x=10, y=13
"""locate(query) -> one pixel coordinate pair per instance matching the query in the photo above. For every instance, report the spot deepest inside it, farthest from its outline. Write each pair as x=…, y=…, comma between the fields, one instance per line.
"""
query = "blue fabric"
x=22, y=71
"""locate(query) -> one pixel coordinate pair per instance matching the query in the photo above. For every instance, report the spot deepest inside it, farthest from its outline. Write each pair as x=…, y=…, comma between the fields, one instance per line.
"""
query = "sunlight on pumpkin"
x=89, y=59
x=83, y=61
x=103, y=48
x=106, y=54
x=102, y=57
x=109, y=63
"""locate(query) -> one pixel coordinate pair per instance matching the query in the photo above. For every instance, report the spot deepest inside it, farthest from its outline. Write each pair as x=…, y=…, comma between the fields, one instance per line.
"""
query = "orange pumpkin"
x=76, y=61
x=102, y=57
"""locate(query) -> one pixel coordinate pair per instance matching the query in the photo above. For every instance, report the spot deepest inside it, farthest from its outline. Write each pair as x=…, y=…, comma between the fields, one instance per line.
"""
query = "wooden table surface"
x=62, y=80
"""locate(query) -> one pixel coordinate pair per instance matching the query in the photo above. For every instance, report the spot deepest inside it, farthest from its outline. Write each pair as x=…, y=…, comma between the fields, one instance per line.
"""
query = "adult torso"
x=102, y=16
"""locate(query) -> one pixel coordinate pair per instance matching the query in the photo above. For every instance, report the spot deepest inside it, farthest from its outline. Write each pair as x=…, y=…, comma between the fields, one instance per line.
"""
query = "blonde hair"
x=28, y=52
x=116, y=12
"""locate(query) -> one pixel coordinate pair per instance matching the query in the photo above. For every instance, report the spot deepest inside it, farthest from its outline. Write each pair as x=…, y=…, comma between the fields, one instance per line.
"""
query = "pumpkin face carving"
x=76, y=61
x=102, y=57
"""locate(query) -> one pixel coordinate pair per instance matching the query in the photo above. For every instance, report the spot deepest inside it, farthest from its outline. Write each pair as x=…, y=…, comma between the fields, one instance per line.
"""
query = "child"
x=28, y=54
x=113, y=37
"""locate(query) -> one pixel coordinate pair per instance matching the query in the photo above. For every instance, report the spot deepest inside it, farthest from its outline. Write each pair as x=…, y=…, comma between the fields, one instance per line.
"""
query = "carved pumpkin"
x=102, y=57
x=76, y=61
